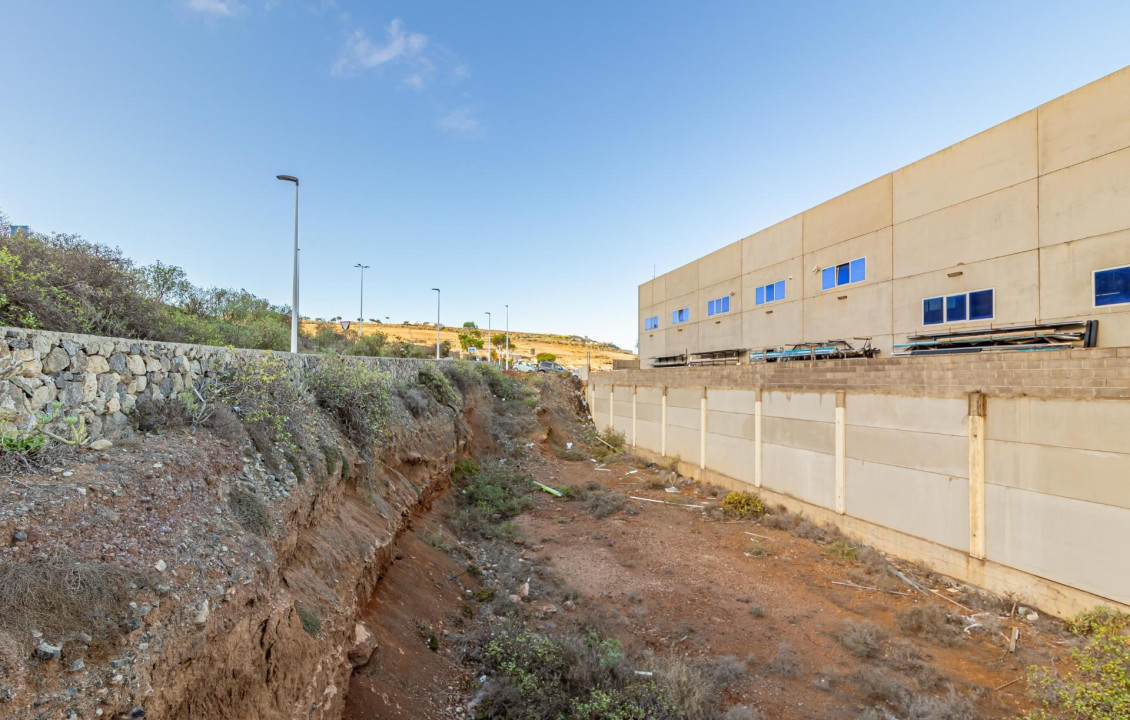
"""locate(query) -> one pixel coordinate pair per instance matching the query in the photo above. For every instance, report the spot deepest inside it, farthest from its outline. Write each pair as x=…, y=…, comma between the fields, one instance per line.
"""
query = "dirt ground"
x=681, y=580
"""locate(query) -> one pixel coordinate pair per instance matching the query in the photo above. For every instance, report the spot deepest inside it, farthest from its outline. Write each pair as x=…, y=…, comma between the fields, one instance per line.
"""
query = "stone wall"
x=103, y=379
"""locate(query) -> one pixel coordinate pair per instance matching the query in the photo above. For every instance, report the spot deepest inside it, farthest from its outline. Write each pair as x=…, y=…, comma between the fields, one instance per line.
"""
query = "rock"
x=19, y=536
x=136, y=365
x=1032, y=616
x=514, y=598
x=84, y=638
x=113, y=405
x=524, y=589
x=46, y=651
x=137, y=713
x=97, y=365
x=56, y=361
x=72, y=394
x=78, y=362
x=89, y=388
x=546, y=609
x=202, y=613
x=71, y=346
x=76, y=665
x=160, y=566
x=119, y=364
x=137, y=385
x=42, y=395
x=364, y=644
x=101, y=444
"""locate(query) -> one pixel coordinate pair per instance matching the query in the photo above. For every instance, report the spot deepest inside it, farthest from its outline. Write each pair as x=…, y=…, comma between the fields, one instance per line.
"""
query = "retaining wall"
x=1009, y=471
x=103, y=379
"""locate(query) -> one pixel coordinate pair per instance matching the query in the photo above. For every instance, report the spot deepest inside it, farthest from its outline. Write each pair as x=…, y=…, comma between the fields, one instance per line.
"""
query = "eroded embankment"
x=220, y=566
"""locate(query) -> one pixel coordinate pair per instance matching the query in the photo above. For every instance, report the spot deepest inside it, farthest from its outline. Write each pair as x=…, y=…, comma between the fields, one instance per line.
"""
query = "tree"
x=499, y=339
x=470, y=324
x=546, y=357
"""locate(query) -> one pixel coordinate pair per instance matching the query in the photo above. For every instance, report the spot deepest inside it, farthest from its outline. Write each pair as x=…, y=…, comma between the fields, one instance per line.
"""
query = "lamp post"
x=294, y=281
x=488, y=337
x=437, y=321
x=361, y=329
x=507, y=337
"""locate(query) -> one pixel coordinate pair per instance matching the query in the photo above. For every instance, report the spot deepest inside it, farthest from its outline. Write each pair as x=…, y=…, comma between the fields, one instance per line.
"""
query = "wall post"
x=702, y=431
x=612, y=407
x=841, y=452
x=663, y=424
x=634, y=416
x=757, y=439
x=977, y=475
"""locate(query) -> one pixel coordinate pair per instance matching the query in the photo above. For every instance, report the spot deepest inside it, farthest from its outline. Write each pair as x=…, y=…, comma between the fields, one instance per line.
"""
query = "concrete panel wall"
x=1056, y=496
x=1084, y=200
x=1091, y=121
x=773, y=244
x=857, y=212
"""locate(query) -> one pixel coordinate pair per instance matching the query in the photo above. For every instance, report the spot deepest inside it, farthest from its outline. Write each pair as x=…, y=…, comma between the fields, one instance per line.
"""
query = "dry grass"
x=250, y=511
x=604, y=504
x=62, y=597
x=930, y=622
x=863, y=638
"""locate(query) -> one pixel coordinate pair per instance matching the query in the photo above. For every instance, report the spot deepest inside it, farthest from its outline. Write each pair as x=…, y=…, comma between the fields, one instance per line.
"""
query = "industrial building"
x=1025, y=225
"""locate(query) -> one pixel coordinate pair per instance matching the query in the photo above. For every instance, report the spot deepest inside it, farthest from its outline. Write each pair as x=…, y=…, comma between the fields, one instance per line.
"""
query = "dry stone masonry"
x=103, y=379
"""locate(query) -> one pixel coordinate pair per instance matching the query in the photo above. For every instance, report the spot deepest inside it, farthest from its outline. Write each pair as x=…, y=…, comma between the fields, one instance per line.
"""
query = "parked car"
x=523, y=367
x=550, y=366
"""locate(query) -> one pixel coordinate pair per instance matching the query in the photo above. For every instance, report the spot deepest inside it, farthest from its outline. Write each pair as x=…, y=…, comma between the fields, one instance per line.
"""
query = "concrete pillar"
x=634, y=438
x=977, y=475
x=702, y=431
x=663, y=423
x=612, y=407
x=841, y=452
x=757, y=439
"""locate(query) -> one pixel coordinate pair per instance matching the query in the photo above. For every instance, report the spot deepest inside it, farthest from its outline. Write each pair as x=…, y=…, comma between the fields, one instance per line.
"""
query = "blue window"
x=651, y=323
x=844, y=274
x=680, y=316
x=719, y=306
x=955, y=308
x=1112, y=287
x=772, y=292
x=981, y=305
x=932, y=311
x=976, y=305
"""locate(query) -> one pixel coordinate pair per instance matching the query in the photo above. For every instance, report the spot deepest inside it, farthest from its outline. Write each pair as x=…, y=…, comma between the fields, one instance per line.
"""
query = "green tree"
x=546, y=357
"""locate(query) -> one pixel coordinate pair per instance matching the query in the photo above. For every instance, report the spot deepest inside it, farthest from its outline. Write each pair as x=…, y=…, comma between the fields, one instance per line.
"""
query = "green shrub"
x=311, y=623
x=546, y=357
x=741, y=504
x=1097, y=689
x=436, y=383
x=488, y=498
x=1089, y=622
x=265, y=393
x=250, y=511
x=356, y=395
x=843, y=550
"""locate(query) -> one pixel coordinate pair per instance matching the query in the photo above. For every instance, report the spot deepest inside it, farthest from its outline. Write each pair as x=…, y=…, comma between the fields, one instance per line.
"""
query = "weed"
x=1099, y=686
x=743, y=505
x=488, y=499
x=842, y=550
x=64, y=596
x=436, y=383
x=950, y=706
x=464, y=467
x=874, y=684
x=862, y=638
x=311, y=623
x=436, y=539
x=725, y=670
x=931, y=622
x=604, y=504
x=265, y=393
x=757, y=611
x=1089, y=622
x=785, y=664
x=413, y=399
x=250, y=511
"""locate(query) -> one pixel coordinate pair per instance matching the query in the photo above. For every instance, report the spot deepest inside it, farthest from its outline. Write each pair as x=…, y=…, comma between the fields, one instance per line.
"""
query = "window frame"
x=676, y=315
x=1094, y=290
x=762, y=292
x=945, y=315
x=718, y=306
x=647, y=323
x=847, y=267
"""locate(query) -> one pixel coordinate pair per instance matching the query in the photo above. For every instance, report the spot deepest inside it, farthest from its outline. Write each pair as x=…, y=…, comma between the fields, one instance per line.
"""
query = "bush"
x=604, y=504
x=742, y=504
x=436, y=383
x=357, y=396
x=266, y=394
x=1089, y=622
x=862, y=638
x=546, y=357
x=250, y=511
x=63, y=596
x=488, y=498
x=311, y=623
x=1099, y=686
x=931, y=622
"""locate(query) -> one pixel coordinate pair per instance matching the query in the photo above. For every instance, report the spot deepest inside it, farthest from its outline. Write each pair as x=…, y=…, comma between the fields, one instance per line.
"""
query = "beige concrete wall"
x=1031, y=208
x=1056, y=479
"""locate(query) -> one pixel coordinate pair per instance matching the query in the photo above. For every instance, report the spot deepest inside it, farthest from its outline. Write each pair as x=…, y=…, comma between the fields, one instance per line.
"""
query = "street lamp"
x=294, y=281
x=507, y=337
x=361, y=330
x=437, y=322
x=488, y=337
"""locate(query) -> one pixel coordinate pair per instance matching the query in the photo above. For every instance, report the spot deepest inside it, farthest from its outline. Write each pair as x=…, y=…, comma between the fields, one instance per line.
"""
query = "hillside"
x=570, y=350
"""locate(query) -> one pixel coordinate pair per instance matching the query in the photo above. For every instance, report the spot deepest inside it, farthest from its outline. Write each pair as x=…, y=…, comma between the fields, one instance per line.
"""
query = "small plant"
x=356, y=395
x=266, y=394
x=436, y=539
x=785, y=664
x=931, y=622
x=1090, y=622
x=604, y=504
x=842, y=550
x=862, y=638
x=741, y=504
x=436, y=383
x=464, y=467
x=311, y=623
x=250, y=511
x=1097, y=689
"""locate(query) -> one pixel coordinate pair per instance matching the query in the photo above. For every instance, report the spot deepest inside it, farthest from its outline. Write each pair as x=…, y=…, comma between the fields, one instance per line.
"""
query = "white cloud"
x=361, y=53
x=459, y=122
x=216, y=8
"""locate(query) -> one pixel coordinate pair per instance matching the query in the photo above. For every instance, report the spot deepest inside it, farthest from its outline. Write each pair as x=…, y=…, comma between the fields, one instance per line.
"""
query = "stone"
x=56, y=360
x=113, y=405
x=72, y=394
x=160, y=566
x=41, y=344
x=137, y=385
x=136, y=364
x=31, y=368
x=118, y=363
x=108, y=382
x=202, y=614
x=364, y=645
x=97, y=364
x=78, y=362
x=101, y=444
x=28, y=385
x=76, y=665
x=90, y=388
x=47, y=651
x=71, y=347
x=19, y=536
x=152, y=364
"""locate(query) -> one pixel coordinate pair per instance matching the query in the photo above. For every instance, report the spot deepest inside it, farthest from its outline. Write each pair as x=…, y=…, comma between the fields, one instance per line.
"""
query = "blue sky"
x=545, y=155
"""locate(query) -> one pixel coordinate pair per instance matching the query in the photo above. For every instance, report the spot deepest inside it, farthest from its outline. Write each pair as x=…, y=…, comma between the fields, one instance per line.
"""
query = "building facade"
x=1027, y=222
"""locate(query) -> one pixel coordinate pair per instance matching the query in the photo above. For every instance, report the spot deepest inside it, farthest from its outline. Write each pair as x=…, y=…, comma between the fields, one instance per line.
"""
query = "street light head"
x=436, y=289
x=363, y=267
x=288, y=178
